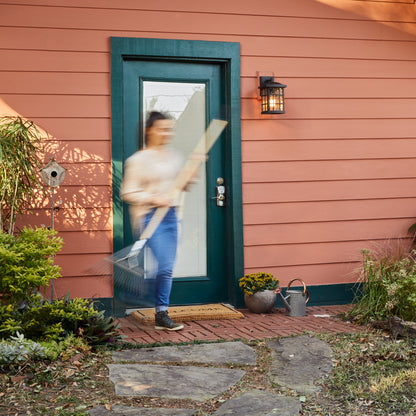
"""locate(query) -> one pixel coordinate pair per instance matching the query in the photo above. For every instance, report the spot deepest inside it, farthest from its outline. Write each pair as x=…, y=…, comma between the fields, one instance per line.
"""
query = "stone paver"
x=219, y=353
x=174, y=382
x=299, y=362
x=136, y=411
x=259, y=403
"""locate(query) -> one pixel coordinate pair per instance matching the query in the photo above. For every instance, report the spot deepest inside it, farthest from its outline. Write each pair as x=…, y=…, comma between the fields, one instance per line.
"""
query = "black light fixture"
x=272, y=96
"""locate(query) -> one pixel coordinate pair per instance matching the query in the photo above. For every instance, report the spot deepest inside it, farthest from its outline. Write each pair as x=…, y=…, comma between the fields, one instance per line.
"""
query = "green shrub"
x=26, y=262
x=41, y=319
x=387, y=287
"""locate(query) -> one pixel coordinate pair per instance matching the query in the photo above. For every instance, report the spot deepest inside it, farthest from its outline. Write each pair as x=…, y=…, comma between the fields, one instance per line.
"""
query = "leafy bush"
x=387, y=287
x=26, y=262
x=41, y=319
x=44, y=320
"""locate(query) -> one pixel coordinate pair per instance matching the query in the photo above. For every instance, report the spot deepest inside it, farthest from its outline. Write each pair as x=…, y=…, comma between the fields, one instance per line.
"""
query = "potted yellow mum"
x=260, y=290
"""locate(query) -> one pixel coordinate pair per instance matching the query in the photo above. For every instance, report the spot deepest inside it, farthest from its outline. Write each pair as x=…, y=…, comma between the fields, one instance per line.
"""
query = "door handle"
x=220, y=192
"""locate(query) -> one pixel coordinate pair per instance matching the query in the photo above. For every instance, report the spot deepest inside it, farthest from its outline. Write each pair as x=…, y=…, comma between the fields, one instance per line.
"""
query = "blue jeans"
x=164, y=243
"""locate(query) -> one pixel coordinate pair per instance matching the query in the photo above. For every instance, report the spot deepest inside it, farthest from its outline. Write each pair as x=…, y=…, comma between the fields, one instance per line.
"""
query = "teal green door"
x=193, y=94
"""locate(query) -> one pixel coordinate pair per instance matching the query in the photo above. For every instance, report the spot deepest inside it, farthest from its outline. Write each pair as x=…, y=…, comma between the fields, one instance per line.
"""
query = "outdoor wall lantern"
x=272, y=96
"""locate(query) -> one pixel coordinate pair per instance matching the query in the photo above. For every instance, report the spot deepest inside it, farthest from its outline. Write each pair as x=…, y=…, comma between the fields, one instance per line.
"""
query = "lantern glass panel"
x=264, y=100
x=276, y=100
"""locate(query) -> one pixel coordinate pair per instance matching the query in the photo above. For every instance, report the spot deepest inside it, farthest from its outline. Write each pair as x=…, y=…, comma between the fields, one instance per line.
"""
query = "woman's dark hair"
x=153, y=117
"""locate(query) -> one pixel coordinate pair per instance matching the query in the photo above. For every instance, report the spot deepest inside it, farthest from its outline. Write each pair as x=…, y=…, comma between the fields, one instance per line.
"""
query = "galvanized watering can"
x=295, y=300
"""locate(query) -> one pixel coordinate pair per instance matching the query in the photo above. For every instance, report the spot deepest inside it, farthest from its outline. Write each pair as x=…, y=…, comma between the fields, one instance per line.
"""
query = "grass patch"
x=372, y=375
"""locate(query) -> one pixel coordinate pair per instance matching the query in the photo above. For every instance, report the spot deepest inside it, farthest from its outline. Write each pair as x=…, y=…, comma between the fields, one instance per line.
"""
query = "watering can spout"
x=287, y=306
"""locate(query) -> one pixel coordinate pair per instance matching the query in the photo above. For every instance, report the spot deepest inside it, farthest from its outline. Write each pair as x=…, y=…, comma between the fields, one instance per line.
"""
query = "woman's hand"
x=196, y=159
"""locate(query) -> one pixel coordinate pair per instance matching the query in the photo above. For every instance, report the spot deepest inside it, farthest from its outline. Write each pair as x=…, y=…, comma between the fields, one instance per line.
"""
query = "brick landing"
x=252, y=326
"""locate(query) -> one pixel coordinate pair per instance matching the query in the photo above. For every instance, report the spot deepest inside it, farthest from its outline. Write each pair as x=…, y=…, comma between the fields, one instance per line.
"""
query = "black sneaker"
x=163, y=321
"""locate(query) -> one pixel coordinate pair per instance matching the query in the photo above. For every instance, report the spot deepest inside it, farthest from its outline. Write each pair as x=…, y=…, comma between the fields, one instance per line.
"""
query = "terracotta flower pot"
x=260, y=302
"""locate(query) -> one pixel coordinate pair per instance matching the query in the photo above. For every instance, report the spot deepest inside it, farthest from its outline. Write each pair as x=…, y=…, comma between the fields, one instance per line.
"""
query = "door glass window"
x=185, y=103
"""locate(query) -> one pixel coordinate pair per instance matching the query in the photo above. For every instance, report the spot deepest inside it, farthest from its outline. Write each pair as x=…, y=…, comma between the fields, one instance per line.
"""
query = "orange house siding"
x=321, y=182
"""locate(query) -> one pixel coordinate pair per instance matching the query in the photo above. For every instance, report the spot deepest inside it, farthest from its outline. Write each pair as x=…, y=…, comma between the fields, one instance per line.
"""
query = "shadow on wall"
x=83, y=211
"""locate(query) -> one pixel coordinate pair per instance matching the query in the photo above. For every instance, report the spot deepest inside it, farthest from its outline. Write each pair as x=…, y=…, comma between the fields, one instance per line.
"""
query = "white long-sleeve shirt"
x=148, y=173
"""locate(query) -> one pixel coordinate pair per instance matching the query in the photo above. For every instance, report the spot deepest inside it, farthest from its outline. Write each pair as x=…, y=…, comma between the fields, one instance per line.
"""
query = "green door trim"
x=192, y=51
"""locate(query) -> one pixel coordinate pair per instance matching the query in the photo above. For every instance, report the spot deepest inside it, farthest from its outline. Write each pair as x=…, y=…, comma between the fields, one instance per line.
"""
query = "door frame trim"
x=192, y=51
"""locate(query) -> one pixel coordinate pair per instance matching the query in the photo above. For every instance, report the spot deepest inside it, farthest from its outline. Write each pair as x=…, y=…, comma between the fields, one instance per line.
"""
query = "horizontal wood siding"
x=334, y=175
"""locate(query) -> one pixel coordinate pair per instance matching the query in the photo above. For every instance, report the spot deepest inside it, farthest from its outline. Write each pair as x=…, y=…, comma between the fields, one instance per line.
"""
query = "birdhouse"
x=53, y=174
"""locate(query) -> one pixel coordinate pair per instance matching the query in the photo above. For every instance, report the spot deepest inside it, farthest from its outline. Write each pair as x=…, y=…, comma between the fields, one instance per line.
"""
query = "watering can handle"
x=305, y=292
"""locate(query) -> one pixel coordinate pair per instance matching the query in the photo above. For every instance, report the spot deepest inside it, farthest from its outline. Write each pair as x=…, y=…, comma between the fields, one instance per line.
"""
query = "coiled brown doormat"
x=208, y=312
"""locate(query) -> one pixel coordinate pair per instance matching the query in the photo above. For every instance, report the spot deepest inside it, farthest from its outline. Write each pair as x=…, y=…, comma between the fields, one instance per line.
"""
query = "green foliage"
x=26, y=262
x=98, y=330
x=20, y=145
x=41, y=319
x=44, y=320
x=71, y=346
x=19, y=350
x=387, y=288
x=255, y=282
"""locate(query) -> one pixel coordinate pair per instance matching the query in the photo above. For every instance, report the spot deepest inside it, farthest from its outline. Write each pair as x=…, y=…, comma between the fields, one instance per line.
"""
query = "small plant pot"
x=260, y=302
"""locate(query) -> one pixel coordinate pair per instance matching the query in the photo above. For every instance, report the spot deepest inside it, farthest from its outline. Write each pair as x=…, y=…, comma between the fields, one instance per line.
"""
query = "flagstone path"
x=172, y=372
